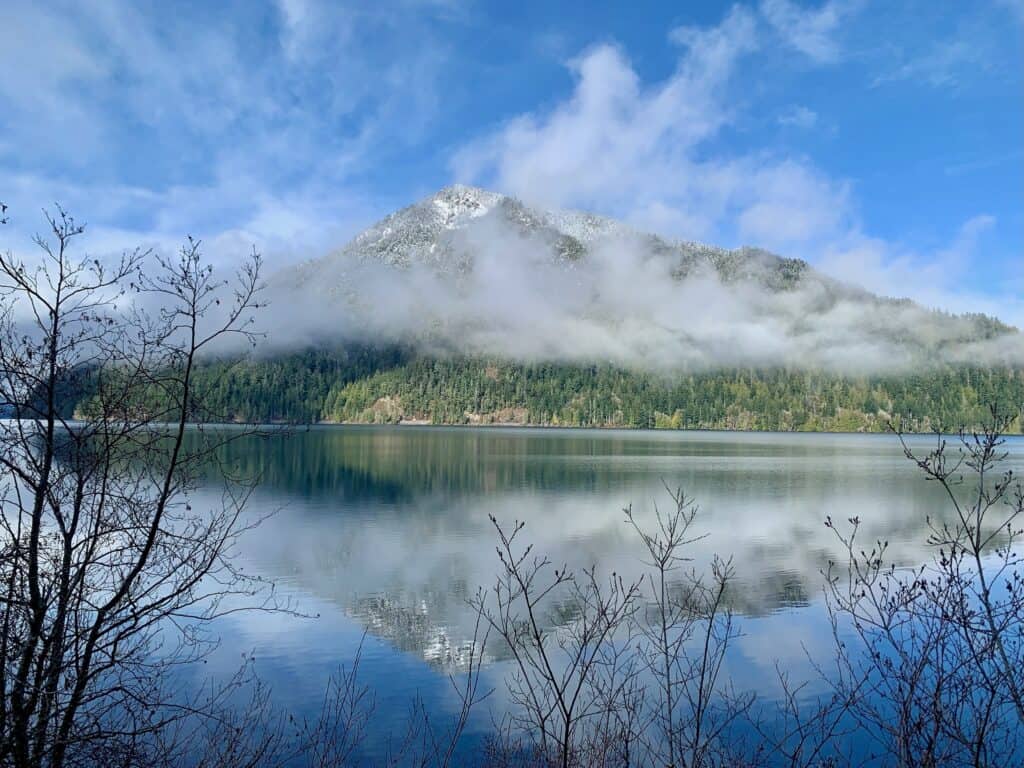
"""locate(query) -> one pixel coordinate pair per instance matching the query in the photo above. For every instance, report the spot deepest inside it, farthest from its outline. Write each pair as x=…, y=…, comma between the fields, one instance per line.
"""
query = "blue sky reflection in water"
x=385, y=531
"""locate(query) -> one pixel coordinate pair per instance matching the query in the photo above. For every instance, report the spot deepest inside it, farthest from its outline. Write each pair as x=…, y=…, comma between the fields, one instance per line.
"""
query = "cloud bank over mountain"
x=473, y=272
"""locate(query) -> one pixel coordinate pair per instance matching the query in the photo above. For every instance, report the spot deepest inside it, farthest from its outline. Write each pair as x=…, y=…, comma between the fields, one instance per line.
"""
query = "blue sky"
x=881, y=141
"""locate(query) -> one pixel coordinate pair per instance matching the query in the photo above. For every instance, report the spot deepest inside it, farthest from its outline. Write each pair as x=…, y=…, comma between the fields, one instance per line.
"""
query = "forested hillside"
x=393, y=385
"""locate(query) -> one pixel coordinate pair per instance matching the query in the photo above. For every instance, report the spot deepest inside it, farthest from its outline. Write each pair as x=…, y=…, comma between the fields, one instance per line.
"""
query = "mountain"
x=468, y=271
x=471, y=307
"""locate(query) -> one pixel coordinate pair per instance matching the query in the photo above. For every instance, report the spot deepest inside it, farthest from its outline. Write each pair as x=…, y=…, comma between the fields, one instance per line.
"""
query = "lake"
x=381, y=533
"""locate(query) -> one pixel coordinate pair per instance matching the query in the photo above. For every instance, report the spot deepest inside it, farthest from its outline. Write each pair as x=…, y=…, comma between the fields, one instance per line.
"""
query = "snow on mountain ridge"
x=432, y=232
x=401, y=236
x=458, y=202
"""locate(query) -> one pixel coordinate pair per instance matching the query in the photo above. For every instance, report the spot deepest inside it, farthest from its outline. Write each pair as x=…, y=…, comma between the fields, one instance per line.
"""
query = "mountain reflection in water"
x=385, y=530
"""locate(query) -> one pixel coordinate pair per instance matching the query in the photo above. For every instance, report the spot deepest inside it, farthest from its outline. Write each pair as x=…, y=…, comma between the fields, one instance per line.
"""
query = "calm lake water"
x=383, y=532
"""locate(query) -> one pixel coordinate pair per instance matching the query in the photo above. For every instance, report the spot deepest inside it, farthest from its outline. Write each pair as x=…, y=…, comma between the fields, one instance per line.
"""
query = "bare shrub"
x=109, y=573
x=930, y=661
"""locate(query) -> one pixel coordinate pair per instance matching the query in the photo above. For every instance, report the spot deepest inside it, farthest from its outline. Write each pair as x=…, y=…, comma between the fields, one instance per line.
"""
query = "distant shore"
x=422, y=423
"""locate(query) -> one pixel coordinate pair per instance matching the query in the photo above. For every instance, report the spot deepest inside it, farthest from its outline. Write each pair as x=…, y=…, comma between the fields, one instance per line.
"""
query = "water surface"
x=383, y=532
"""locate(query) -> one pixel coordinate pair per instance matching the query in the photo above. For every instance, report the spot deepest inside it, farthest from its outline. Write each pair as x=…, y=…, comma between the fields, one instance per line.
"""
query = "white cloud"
x=798, y=116
x=155, y=125
x=935, y=279
x=231, y=214
x=791, y=203
x=880, y=267
x=943, y=65
x=812, y=32
x=632, y=149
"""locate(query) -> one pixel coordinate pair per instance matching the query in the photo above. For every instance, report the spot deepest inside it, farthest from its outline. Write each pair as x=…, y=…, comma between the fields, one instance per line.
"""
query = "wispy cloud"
x=982, y=162
x=943, y=65
x=934, y=278
x=798, y=116
x=812, y=31
x=635, y=149
x=178, y=122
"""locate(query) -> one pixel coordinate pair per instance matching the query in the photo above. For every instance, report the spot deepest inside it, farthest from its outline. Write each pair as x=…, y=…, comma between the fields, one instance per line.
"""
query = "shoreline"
x=423, y=424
